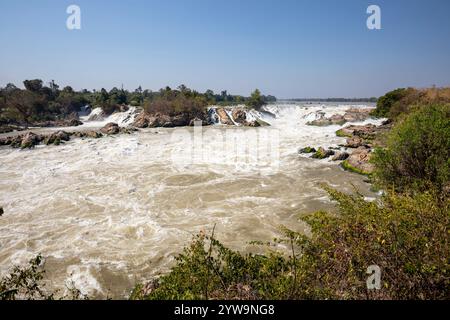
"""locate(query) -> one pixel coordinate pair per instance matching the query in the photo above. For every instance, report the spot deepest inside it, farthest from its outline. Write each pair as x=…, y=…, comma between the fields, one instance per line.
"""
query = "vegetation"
x=406, y=236
x=405, y=232
x=417, y=156
x=348, y=167
x=256, y=100
x=174, y=102
x=401, y=102
x=26, y=283
x=37, y=103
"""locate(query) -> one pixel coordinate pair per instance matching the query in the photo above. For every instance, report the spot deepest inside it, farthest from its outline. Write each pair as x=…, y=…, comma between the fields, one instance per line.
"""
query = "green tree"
x=256, y=101
x=33, y=85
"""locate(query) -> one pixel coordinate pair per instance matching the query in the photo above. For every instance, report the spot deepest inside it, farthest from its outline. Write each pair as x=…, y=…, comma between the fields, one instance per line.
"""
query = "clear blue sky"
x=315, y=48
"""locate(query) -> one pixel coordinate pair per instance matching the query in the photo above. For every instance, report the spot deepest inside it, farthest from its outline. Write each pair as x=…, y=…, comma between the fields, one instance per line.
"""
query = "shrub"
x=417, y=155
x=176, y=104
x=399, y=102
x=406, y=236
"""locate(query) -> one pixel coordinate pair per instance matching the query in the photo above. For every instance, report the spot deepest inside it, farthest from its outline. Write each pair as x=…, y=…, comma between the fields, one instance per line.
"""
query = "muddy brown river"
x=107, y=213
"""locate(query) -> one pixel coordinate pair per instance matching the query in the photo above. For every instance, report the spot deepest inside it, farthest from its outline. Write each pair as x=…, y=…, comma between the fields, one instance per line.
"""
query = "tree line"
x=48, y=102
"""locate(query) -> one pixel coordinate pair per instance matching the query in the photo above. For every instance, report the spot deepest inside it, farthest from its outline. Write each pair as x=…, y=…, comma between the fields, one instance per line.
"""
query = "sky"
x=287, y=48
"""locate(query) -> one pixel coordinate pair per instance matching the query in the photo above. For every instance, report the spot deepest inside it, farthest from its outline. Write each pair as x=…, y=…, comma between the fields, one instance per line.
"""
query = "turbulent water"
x=109, y=212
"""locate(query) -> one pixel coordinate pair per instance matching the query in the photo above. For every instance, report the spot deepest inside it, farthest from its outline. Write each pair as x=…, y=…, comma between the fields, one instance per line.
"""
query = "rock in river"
x=110, y=128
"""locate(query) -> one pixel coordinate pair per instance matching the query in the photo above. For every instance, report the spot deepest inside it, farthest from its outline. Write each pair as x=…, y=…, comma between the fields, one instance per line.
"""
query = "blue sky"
x=289, y=48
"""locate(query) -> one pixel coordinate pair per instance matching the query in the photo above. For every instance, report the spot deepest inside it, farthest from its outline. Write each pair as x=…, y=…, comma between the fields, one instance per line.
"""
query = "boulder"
x=357, y=114
x=57, y=137
x=110, y=128
x=93, y=134
x=29, y=140
x=1, y=211
x=321, y=153
x=354, y=142
x=307, y=150
x=141, y=121
x=358, y=161
x=339, y=156
x=223, y=116
x=74, y=123
x=239, y=116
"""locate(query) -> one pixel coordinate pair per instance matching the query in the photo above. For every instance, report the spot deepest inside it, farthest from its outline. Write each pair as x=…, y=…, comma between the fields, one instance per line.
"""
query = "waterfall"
x=213, y=117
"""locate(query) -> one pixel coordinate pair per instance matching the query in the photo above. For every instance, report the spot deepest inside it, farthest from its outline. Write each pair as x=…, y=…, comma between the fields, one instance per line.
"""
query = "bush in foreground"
x=417, y=156
x=406, y=236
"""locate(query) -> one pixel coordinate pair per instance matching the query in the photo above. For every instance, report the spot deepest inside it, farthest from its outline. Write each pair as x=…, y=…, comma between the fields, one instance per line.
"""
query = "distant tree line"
x=40, y=102
x=372, y=99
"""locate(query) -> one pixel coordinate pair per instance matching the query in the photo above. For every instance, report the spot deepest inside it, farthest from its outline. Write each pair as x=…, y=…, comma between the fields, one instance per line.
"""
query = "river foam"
x=109, y=212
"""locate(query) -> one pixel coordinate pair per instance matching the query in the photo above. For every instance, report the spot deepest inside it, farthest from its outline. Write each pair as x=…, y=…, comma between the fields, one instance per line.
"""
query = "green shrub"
x=397, y=103
x=406, y=236
x=417, y=155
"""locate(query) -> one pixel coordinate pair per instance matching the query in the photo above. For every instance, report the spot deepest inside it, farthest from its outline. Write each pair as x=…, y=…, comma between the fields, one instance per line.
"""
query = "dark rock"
x=321, y=153
x=1, y=211
x=56, y=138
x=307, y=150
x=239, y=116
x=75, y=123
x=339, y=156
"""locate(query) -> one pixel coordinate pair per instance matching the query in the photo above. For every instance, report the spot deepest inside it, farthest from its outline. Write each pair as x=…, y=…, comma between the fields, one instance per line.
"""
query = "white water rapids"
x=107, y=213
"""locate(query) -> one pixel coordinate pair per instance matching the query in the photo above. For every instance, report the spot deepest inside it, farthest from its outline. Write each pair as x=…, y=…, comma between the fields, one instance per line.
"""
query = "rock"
x=29, y=140
x=335, y=119
x=339, y=156
x=358, y=161
x=350, y=115
x=100, y=116
x=1, y=211
x=56, y=138
x=128, y=130
x=354, y=142
x=357, y=114
x=239, y=116
x=146, y=120
x=142, y=120
x=93, y=134
x=223, y=116
x=110, y=128
x=75, y=123
x=307, y=150
x=321, y=153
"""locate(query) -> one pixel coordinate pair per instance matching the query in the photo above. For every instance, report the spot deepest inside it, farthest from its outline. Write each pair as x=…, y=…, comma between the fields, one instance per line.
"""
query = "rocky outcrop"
x=322, y=153
x=307, y=150
x=29, y=140
x=110, y=128
x=56, y=138
x=340, y=156
x=87, y=134
x=359, y=161
x=239, y=116
x=223, y=117
x=147, y=120
x=354, y=142
x=350, y=115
